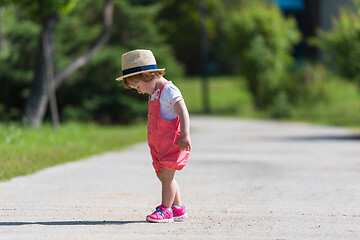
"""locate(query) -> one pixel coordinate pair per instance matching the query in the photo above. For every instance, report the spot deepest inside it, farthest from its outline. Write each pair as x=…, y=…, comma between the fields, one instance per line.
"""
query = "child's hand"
x=184, y=143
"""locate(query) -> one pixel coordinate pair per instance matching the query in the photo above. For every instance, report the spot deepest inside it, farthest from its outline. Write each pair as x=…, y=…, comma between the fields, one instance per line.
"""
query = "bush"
x=307, y=84
x=262, y=41
x=17, y=62
x=281, y=107
x=341, y=45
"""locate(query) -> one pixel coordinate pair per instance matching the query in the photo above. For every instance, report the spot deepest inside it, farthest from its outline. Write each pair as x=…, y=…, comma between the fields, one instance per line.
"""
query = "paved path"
x=245, y=180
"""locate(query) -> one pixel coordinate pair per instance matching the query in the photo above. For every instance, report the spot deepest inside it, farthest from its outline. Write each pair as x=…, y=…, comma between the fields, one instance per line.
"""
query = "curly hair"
x=141, y=77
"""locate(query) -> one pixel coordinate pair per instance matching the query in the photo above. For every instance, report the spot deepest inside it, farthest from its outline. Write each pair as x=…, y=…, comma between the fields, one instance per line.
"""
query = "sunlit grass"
x=341, y=108
x=25, y=150
x=227, y=96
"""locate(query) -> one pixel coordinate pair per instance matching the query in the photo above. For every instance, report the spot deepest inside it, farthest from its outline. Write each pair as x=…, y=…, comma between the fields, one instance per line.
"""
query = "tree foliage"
x=16, y=62
x=246, y=37
x=92, y=92
x=341, y=45
x=37, y=9
x=180, y=21
x=261, y=44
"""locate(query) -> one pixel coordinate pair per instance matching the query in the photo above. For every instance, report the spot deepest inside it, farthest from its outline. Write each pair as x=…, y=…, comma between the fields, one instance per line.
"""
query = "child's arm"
x=184, y=140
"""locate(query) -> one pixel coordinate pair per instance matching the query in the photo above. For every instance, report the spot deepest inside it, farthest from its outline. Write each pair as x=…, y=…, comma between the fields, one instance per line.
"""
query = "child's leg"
x=177, y=199
x=170, y=188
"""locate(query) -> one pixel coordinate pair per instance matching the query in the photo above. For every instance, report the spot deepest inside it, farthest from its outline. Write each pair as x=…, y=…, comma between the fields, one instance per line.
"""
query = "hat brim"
x=132, y=74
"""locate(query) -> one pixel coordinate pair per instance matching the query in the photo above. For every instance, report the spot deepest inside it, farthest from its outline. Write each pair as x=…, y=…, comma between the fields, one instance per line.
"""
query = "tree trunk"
x=50, y=80
x=253, y=86
x=2, y=36
x=204, y=52
x=36, y=104
x=99, y=43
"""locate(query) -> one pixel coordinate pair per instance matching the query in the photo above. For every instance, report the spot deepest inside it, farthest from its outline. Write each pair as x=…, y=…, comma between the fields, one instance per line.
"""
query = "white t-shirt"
x=169, y=96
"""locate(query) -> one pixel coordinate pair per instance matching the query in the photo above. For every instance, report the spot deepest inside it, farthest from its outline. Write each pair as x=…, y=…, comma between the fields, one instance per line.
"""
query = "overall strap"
x=162, y=87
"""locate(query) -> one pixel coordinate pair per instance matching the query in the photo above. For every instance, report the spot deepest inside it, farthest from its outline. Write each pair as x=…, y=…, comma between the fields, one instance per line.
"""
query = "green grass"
x=26, y=150
x=342, y=107
x=228, y=96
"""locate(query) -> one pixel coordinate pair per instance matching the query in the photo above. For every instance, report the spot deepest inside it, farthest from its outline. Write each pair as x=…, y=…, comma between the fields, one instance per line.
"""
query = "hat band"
x=139, y=69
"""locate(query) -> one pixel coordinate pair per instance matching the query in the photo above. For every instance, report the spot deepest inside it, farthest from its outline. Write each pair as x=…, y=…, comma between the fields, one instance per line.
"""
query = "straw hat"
x=137, y=61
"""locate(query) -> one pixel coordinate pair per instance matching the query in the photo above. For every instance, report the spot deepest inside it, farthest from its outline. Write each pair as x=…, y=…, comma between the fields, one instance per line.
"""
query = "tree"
x=100, y=99
x=181, y=22
x=261, y=44
x=340, y=45
x=48, y=12
x=91, y=93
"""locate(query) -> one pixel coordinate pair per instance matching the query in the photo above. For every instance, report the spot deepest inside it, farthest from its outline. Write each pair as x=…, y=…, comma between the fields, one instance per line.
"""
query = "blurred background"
x=276, y=59
x=275, y=55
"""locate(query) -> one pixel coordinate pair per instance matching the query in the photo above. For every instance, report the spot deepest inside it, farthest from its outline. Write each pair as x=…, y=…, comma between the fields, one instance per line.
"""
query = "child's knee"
x=166, y=175
x=163, y=177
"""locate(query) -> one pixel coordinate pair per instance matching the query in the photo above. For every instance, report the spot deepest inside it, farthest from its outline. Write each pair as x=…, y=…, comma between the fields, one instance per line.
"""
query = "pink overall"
x=162, y=137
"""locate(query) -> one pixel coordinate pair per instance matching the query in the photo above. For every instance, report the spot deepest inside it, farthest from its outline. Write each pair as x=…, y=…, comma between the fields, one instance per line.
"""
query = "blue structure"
x=291, y=4
x=311, y=15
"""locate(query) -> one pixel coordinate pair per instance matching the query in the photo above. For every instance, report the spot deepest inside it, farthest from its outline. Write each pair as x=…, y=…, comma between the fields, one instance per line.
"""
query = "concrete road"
x=246, y=179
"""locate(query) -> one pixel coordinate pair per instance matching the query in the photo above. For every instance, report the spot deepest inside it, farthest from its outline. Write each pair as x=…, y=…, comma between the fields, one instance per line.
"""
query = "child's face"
x=143, y=87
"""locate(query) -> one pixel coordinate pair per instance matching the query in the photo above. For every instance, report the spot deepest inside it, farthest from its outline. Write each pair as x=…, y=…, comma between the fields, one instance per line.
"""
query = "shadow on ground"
x=326, y=138
x=70, y=223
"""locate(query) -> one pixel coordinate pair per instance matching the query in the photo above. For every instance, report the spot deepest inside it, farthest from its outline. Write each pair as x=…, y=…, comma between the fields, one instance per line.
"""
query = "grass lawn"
x=228, y=96
x=26, y=150
x=342, y=107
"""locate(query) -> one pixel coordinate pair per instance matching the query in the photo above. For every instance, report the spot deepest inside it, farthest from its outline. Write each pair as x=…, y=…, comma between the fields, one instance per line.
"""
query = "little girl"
x=168, y=128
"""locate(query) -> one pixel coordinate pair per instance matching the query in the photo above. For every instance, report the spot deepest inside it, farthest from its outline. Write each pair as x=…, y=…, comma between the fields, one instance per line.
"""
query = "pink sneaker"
x=161, y=215
x=179, y=213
